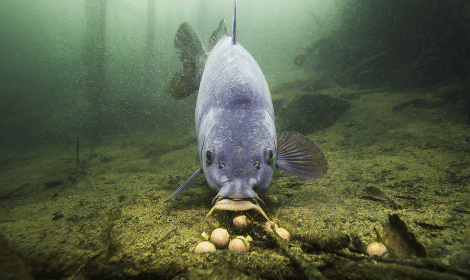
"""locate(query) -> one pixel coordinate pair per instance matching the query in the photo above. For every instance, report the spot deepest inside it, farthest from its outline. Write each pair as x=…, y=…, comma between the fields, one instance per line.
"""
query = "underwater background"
x=92, y=142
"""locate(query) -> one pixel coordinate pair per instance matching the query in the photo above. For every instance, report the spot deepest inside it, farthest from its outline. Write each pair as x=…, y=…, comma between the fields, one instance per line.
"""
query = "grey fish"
x=236, y=136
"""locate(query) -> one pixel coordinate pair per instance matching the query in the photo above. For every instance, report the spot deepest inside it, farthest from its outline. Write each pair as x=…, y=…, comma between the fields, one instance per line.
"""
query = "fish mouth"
x=237, y=205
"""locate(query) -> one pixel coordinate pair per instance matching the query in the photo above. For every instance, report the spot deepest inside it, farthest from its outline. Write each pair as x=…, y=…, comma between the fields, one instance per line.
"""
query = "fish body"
x=237, y=141
x=235, y=123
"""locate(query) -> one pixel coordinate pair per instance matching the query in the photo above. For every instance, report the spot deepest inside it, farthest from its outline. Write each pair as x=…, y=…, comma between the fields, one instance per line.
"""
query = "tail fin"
x=193, y=55
x=219, y=33
x=234, y=28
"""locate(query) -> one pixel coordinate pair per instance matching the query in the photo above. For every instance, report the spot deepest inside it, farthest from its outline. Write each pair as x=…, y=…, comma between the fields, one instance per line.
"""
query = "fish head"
x=238, y=155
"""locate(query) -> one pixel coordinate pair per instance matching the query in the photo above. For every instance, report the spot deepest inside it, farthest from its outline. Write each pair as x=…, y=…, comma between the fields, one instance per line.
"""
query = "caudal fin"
x=193, y=55
x=218, y=34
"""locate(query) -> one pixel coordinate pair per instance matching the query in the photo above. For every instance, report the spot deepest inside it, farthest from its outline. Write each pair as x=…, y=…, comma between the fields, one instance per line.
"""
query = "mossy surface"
x=107, y=218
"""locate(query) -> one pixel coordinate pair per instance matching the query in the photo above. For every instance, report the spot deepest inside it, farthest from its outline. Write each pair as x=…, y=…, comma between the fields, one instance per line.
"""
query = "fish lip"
x=226, y=192
x=237, y=205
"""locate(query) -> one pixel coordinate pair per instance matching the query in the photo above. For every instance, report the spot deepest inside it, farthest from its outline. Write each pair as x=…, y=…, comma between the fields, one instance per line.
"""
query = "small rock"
x=205, y=236
x=268, y=225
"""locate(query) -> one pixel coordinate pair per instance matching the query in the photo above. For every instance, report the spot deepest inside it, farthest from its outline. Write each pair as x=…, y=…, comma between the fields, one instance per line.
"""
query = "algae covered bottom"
x=107, y=217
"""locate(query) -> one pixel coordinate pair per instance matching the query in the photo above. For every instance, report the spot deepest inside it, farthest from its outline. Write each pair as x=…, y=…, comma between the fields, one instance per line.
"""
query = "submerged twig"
x=309, y=270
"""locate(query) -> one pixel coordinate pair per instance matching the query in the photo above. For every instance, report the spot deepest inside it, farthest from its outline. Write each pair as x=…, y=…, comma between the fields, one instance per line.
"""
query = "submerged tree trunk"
x=95, y=71
x=149, y=50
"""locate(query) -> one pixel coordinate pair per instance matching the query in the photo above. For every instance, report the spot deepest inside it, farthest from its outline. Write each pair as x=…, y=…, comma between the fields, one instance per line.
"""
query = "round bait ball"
x=283, y=233
x=377, y=249
x=239, y=244
x=240, y=221
x=204, y=247
x=220, y=237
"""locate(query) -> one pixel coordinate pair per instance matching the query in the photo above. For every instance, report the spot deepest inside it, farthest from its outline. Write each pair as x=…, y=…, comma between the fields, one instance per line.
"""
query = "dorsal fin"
x=217, y=34
x=234, y=28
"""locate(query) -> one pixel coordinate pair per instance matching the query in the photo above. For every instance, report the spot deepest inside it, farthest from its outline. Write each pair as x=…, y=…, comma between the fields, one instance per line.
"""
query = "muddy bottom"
x=106, y=218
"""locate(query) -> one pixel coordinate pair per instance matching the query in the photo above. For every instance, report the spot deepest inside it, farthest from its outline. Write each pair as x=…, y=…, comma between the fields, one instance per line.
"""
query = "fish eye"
x=269, y=156
x=257, y=165
x=208, y=157
x=221, y=164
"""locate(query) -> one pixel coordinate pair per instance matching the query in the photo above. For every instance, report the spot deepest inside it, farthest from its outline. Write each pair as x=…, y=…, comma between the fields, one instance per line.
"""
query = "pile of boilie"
x=220, y=238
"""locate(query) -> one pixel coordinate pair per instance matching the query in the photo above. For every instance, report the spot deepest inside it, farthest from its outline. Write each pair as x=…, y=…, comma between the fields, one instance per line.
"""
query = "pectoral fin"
x=186, y=184
x=299, y=156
